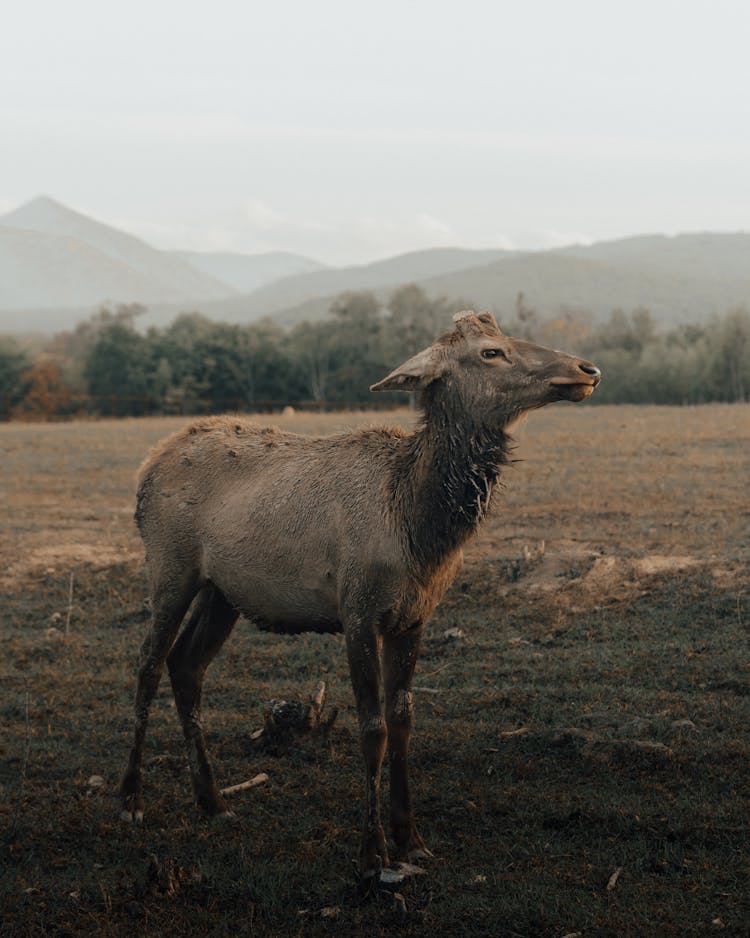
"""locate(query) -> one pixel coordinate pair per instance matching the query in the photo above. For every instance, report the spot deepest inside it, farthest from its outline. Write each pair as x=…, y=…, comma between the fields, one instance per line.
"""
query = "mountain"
x=57, y=266
x=711, y=255
x=53, y=256
x=555, y=283
x=320, y=286
x=248, y=272
x=38, y=269
x=680, y=279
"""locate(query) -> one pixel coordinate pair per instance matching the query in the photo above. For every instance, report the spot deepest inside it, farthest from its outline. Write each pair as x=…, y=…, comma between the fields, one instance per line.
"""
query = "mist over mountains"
x=52, y=256
x=248, y=272
x=57, y=266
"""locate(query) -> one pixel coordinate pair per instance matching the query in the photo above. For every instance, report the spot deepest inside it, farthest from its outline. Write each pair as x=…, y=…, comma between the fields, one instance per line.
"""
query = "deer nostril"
x=588, y=369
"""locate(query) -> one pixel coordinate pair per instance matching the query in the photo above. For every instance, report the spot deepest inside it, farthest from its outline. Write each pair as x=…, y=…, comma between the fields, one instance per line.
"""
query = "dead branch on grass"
x=243, y=786
x=509, y=734
x=70, y=602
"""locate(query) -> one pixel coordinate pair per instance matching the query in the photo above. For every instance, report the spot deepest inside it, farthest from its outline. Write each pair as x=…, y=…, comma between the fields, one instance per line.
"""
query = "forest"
x=110, y=366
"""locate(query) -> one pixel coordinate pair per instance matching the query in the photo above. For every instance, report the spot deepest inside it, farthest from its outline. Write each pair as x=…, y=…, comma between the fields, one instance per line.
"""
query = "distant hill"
x=247, y=272
x=315, y=290
x=711, y=255
x=51, y=255
x=683, y=278
x=38, y=269
x=57, y=266
x=554, y=283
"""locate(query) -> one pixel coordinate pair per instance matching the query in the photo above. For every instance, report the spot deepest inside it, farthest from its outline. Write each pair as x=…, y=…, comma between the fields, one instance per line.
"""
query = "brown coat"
x=360, y=532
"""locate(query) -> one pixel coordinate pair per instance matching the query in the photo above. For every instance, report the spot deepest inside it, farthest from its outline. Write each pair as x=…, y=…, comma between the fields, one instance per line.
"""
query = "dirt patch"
x=656, y=564
x=620, y=578
x=53, y=558
x=579, y=572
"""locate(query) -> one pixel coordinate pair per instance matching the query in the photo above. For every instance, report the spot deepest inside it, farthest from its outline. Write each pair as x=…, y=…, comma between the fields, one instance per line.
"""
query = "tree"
x=73, y=348
x=222, y=366
x=729, y=341
x=526, y=321
x=631, y=332
x=568, y=331
x=13, y=362
x=269, y=357
x=43, y=393
x=354, y=346
x=311, y=348
x=415, y=321
x=118, y=370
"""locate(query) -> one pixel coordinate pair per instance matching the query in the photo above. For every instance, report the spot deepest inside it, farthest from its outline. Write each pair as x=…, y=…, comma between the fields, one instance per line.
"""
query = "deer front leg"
x=362, y=645
x=399, y=659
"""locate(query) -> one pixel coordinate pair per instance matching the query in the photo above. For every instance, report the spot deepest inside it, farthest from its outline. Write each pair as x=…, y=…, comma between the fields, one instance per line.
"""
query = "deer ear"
x=470, y=323
x=417, y=372
x=489, y=320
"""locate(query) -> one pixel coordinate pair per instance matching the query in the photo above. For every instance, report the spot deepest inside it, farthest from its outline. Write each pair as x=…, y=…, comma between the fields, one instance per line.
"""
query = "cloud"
x=540, y=239
x=266, y=219
x=382, y=235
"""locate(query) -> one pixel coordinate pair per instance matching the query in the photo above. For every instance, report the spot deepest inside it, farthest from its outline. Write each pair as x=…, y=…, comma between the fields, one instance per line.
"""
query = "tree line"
x=108, y=366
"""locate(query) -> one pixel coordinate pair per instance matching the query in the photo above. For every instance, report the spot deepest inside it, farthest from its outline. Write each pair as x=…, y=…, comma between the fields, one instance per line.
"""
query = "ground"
x=580, y=756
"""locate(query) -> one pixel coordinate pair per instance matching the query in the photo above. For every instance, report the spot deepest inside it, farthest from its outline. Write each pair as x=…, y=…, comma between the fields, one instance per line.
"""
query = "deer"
x=359, y=532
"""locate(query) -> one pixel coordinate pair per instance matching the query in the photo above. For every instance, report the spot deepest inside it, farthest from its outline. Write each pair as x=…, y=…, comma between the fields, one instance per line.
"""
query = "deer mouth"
x=573, y=389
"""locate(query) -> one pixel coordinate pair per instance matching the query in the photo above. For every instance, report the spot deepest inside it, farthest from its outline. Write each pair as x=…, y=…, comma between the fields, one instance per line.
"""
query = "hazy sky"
x=349, y=131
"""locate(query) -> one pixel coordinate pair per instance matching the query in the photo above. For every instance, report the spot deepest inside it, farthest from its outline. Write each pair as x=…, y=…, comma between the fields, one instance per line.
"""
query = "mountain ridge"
x=248, y=272
x=57, y=266
x=167, y=276
x=413, y=266
x=581, y=278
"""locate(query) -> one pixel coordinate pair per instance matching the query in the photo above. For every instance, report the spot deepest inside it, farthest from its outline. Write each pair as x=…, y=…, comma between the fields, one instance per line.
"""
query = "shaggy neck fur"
x=444, y=476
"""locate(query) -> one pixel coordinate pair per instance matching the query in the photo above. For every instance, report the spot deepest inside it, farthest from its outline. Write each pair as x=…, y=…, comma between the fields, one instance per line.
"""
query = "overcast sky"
x=350, y=131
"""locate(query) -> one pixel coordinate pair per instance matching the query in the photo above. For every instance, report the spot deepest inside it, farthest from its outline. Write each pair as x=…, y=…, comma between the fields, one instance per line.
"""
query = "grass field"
x=580, y=758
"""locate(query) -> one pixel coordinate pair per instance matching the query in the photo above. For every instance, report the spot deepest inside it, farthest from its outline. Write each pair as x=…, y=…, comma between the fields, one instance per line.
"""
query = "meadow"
x=580, y=756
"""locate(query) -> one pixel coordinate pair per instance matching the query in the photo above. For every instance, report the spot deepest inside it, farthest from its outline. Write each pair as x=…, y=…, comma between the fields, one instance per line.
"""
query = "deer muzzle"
x=578, y=384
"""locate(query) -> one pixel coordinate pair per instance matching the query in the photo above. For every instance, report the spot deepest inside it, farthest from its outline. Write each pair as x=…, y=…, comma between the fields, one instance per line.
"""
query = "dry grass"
x=592, y=718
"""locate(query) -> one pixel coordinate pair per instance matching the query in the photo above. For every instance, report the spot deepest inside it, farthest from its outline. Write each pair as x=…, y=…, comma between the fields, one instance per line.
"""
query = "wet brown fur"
x=360, y=532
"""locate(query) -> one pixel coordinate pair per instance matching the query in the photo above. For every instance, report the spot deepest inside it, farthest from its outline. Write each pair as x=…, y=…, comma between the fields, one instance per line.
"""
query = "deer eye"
x=494, y=353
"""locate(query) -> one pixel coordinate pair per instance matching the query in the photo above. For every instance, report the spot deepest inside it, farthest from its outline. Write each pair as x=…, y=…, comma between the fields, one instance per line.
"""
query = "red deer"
x=359, y=532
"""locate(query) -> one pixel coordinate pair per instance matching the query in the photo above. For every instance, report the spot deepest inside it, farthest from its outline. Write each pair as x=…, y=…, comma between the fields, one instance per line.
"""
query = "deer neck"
x=444, y=478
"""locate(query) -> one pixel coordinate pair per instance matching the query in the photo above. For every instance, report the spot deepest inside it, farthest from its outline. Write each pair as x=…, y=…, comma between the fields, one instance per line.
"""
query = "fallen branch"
x=70, y=603
x=243, y=786
x=509, y=734
x=438, y=670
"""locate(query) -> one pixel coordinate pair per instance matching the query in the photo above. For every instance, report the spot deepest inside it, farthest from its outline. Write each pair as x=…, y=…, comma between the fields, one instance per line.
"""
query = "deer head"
x=495, y=376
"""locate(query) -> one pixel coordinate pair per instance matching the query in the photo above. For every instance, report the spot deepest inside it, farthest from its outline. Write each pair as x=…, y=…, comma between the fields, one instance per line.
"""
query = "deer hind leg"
x=399, y=659
x=210, y=624
x=169, y=603
x=363, y=649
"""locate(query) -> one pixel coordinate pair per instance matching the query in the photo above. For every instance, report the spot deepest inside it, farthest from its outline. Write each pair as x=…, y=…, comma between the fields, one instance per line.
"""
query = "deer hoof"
x=132, y=817
x=396, y=873
x=223, y=817
x=420, y=853
x=384, y=879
